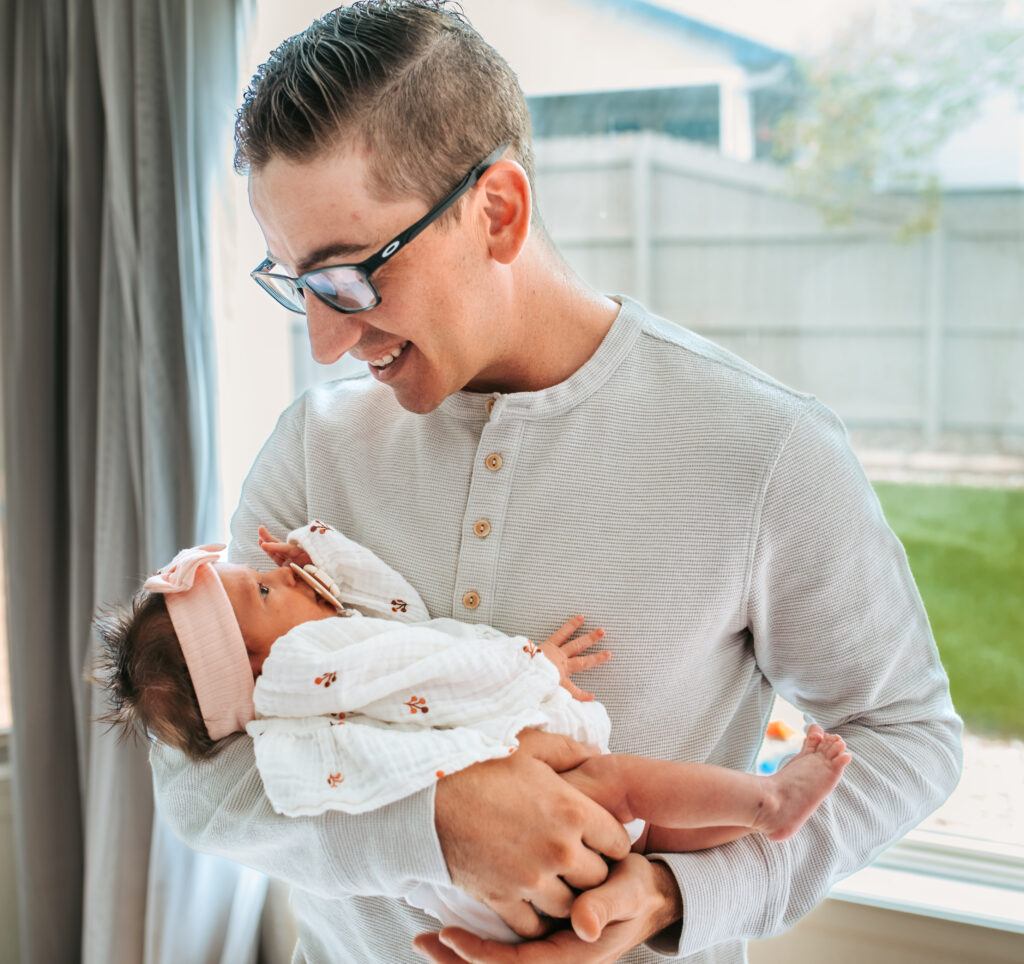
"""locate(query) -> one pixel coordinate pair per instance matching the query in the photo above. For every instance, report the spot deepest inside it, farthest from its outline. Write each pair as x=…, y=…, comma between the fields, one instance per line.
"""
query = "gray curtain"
x=114, y=115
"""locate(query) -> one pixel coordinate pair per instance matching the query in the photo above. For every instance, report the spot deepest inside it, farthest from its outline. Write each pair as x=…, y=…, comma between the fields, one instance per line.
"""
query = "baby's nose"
x=284, y=576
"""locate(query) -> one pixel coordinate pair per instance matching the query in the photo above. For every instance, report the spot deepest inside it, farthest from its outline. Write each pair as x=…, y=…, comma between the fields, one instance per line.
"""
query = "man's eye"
x=264, y=590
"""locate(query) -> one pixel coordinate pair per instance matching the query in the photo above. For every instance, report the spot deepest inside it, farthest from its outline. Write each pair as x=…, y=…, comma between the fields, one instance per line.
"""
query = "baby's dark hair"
x=143, y=671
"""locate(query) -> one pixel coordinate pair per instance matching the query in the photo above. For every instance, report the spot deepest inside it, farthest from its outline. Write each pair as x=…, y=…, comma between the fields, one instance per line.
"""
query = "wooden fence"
x=926, y=336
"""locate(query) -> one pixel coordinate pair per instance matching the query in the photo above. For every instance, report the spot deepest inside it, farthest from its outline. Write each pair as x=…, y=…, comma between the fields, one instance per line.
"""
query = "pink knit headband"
x=210, y=639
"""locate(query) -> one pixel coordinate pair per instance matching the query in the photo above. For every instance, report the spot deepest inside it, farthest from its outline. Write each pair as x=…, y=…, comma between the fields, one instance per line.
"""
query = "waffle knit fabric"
x=717, y=525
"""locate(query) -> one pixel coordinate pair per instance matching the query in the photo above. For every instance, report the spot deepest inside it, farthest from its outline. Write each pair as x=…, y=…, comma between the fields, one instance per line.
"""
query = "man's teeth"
x=387, y=359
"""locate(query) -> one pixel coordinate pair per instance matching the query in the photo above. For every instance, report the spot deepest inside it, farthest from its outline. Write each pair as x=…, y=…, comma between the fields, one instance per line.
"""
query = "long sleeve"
x=838, y=628
x=219, y=806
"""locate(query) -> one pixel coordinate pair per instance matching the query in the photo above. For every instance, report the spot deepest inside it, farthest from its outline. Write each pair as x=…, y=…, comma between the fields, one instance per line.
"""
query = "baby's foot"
x=797, y=789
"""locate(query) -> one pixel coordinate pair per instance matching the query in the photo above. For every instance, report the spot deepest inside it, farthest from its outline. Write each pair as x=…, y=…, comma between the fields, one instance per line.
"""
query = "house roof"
x=748, y=52
x=577, y=46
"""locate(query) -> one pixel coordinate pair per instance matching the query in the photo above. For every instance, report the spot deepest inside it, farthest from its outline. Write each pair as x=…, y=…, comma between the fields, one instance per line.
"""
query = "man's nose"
x=331, y=333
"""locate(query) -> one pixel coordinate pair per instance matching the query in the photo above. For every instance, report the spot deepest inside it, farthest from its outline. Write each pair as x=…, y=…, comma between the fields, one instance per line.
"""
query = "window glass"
x=836, y=193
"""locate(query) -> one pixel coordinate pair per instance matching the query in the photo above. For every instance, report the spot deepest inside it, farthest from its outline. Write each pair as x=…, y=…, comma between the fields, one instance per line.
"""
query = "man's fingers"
x=603, y=833
x=618, y=898
x=430, y=947
x=557, y=751
x=555, y=899
x=590, y=914
x=590, y=871
x=523, y=919
x=475, y=950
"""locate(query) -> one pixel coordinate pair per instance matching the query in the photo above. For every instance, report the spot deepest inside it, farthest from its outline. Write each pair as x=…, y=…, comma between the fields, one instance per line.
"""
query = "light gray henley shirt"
x=717, y=525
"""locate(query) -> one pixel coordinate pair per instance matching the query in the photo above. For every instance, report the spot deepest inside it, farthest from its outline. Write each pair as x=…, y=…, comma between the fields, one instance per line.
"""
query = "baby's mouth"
x=320, y=583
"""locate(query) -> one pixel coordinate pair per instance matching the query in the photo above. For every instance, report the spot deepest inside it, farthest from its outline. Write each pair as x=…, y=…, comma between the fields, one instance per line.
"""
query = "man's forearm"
x=754, y=888
x=219, y=807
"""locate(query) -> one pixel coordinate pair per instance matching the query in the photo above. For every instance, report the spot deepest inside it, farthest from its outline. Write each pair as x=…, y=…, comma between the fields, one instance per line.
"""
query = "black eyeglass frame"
x=372, y=263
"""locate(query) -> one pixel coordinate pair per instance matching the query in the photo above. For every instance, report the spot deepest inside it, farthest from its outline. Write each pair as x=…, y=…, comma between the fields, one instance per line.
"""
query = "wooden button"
x=482, y=528
x=493, y=461
x=471, y=599
x=490, y=404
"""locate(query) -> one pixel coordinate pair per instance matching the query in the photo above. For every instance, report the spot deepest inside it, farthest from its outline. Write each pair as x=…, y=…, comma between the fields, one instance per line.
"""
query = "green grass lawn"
x=966, y=550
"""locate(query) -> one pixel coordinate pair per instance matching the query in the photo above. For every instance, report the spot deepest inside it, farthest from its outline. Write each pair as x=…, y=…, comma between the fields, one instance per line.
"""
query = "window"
x=714, y=161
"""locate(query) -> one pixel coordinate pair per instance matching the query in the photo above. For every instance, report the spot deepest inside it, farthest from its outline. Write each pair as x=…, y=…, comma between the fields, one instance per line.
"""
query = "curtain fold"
x=115, y=115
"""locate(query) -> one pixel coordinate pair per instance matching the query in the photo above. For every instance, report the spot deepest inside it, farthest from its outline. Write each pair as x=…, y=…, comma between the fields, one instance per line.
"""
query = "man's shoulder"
x=698, y=356
x=675, y=365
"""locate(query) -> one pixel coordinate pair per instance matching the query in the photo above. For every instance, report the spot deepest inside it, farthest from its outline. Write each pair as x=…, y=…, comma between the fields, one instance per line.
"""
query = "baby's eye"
x=264, y=590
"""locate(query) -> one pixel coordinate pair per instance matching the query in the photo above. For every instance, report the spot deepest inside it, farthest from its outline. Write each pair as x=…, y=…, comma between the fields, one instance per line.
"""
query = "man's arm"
x=839, y=630
x=219, y=806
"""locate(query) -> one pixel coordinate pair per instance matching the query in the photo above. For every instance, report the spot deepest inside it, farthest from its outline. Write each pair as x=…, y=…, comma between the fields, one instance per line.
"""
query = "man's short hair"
x=409, y=80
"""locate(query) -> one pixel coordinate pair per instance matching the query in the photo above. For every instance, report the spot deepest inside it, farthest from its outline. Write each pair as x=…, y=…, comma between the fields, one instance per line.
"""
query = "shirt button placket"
x=484, y=514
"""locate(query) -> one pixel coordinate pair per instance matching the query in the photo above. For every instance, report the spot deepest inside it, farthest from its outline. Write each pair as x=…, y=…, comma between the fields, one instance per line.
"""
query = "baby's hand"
x=564, y=652
x=282, y=552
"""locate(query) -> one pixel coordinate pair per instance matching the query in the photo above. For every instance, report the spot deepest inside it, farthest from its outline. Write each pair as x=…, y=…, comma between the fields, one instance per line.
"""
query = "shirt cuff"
x=724, y=893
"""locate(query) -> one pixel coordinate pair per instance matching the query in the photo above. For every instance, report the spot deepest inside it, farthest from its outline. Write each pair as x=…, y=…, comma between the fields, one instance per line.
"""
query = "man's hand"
x=639, y=899
x=518, y=837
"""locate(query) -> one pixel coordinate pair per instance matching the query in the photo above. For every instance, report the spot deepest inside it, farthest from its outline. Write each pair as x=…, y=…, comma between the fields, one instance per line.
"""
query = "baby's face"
x=267, y=605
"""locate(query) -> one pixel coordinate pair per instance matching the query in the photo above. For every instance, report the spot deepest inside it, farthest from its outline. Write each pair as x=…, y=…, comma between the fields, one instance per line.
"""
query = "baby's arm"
x=564, y=652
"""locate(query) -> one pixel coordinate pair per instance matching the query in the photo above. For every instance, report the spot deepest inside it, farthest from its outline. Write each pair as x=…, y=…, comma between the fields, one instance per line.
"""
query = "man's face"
x=430, y=336
x=268, y=604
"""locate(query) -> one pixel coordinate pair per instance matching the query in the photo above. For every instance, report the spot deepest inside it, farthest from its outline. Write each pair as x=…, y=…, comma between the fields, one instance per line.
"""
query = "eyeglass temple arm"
x=385, y=253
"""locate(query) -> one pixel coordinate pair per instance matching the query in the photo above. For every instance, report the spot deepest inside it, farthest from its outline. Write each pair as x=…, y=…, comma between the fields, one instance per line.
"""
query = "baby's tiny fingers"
x=574, y=646
x=579, y=663
x=577, y=694
x=560, y=635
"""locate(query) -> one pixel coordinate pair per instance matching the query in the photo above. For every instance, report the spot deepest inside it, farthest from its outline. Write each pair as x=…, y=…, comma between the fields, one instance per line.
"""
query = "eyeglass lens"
x=343, y=287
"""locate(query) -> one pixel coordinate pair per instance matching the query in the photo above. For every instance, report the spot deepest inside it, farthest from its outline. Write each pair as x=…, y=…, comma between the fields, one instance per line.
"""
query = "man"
x=522, y=447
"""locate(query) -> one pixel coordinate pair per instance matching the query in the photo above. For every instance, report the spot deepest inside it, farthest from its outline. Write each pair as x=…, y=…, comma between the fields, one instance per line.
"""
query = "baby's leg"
x=691, y=795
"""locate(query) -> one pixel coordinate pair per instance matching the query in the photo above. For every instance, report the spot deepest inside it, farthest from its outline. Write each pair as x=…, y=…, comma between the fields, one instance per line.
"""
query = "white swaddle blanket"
x=355, y=713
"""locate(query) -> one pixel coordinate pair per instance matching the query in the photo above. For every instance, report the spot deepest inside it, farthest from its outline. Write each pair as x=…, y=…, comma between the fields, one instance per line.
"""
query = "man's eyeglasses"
x=347, y=287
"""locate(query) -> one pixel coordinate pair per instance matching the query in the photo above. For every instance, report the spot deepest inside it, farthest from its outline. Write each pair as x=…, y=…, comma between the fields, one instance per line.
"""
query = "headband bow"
x=180, y=573
x=210, y=640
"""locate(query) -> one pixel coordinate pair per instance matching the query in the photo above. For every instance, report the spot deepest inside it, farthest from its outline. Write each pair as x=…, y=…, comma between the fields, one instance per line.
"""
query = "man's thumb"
x=558, y=752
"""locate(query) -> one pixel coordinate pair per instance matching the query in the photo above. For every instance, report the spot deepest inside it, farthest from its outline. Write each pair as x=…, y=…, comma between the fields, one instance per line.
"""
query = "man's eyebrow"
x=327, y=254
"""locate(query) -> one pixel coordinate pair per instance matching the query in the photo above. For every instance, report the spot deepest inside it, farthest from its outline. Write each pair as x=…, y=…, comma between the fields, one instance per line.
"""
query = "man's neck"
x=556, y=324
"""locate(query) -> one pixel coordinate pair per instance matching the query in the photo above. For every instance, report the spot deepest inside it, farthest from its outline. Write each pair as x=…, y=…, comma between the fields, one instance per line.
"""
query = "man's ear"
x=507, y=207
